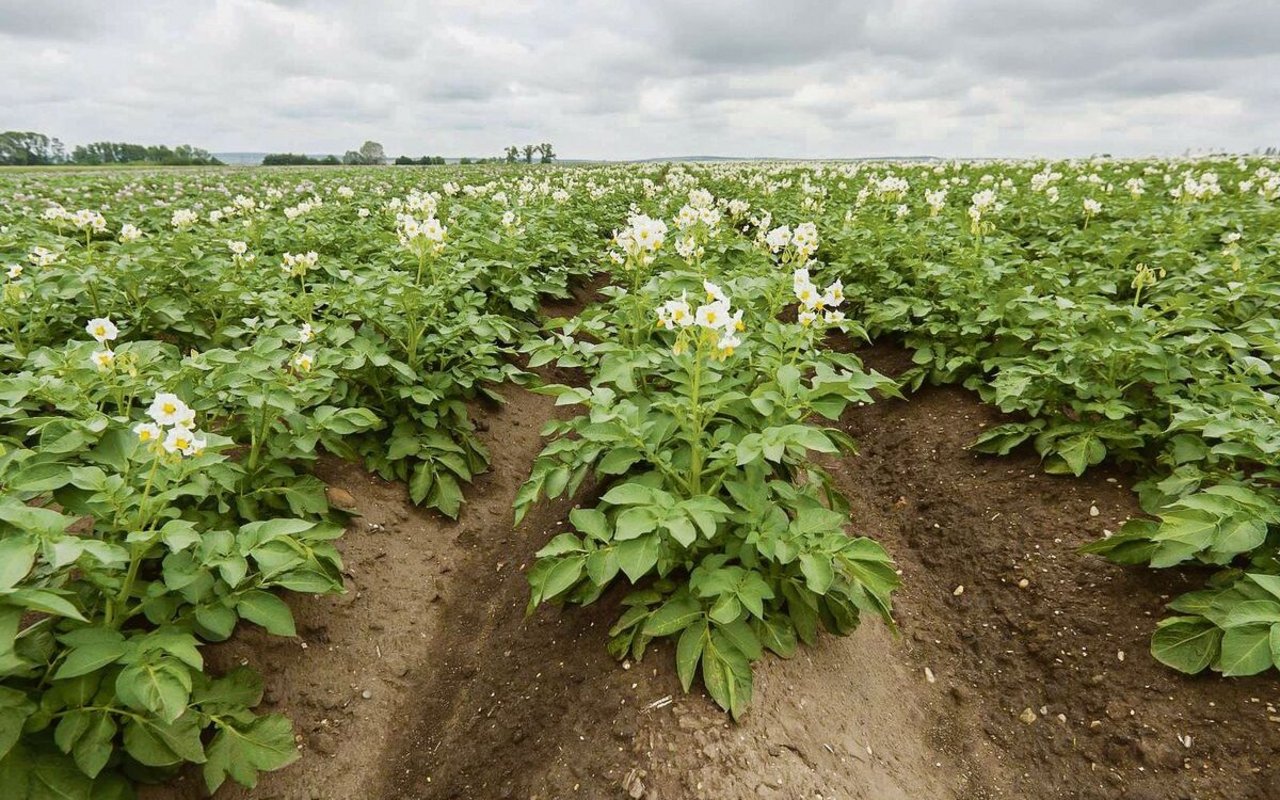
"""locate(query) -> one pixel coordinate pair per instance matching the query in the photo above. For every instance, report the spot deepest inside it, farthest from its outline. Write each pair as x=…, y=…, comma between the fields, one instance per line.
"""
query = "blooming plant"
x=714, y=508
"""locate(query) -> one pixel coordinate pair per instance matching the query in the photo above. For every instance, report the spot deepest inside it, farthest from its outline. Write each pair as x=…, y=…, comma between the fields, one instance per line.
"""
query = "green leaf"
x=681, y=530
x=629, y=494
x=633, y=522
x=15, y=708
x=592, y=522
x=563, y=574
x=17, y=557
x=1188, y=644
x=268, y=611
x=819, y=574
x=689, y=651
x=89, y=737
x=241, y=752
x=239, y=689
x=163, y=744
x=1246, y=650
x=602, y=566
x=1250, y=612
x=92, y=649
x=618, y=461
x=674, y=615
x=637, y=556
x=162, y=687
x=47, y=601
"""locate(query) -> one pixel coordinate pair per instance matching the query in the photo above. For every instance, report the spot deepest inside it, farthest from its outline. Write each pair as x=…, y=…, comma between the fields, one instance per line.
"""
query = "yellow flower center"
x=170, y=408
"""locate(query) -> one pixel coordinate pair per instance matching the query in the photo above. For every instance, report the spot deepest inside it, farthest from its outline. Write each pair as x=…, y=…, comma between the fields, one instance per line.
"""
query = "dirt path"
x=468, y=698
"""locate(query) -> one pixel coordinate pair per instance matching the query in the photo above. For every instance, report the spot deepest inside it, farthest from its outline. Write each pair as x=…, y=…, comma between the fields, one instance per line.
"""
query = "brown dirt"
x=471, y=699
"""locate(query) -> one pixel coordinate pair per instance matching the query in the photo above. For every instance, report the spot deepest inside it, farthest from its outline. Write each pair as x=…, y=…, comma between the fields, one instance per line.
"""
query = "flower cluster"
x=293, y=212
x=184, y=218
x=129, y=233
x=980, y=204
x=714, y=320
x=426, y=236
x=640, y=240
x=172, y=427
x=803, y=240
x=298, y=264
x=826, y=302
x=104, y=331
x=42, y=257
x=936, y=200
x=86, y=220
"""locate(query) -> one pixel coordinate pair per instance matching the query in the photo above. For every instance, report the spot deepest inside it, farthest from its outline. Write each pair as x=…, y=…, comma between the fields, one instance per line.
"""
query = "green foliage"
x=124, y=550
x=714, y=508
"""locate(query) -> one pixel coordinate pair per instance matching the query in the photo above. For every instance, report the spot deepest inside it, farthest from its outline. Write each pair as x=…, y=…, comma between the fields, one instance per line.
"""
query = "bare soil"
x=427, y=680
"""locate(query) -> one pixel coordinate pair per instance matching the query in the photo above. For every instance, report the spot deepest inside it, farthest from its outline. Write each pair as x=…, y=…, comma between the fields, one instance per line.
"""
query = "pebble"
x=1093, y=511
x=1028, y=716
x=367, y=694
x=959, y=590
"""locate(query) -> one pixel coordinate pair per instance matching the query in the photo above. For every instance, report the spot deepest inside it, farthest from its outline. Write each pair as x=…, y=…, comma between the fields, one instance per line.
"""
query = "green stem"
x=695, y=419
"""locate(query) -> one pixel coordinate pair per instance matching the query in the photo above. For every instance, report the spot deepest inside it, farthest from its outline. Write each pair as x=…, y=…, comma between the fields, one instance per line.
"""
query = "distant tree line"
x=425, y=161
x=30, y=149
x=545, y=153
x=126, y=153
x=297, y=159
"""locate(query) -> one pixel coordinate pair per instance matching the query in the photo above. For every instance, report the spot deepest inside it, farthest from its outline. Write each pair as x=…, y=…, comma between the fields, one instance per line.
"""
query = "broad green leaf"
x=241, y=751
x=1246, y=650
x=674, y=615
x=267, y=610
x=15, y=708
x=1188, y=644
x=689, y=651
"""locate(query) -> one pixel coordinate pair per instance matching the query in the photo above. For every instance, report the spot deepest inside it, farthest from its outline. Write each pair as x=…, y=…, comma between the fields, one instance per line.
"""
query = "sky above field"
x=647, y=78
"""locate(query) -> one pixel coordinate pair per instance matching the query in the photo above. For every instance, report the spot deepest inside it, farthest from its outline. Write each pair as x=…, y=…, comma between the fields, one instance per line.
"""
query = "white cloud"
x=649, y=77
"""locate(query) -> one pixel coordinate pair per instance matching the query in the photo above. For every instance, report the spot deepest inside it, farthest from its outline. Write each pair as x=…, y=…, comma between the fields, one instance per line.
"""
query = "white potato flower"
x=148, y=432
x=168, y=409
x=102, y=329
x=103, y=359
x=184, y=441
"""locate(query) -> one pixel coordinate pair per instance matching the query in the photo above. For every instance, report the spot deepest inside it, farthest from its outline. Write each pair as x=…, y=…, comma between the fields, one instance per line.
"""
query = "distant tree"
x=373, y=153
x=28, y=148
x=547, y=153
x=528, y=153
x=405, y=160
x=512, y=154
x=464, y=160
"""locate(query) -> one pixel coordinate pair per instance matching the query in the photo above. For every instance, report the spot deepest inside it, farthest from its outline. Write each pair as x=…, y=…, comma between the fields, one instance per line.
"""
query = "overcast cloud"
x=643, y=78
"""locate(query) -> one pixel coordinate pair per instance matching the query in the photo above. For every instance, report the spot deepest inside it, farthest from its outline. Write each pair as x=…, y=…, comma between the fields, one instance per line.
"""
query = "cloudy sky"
x=644, y=78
